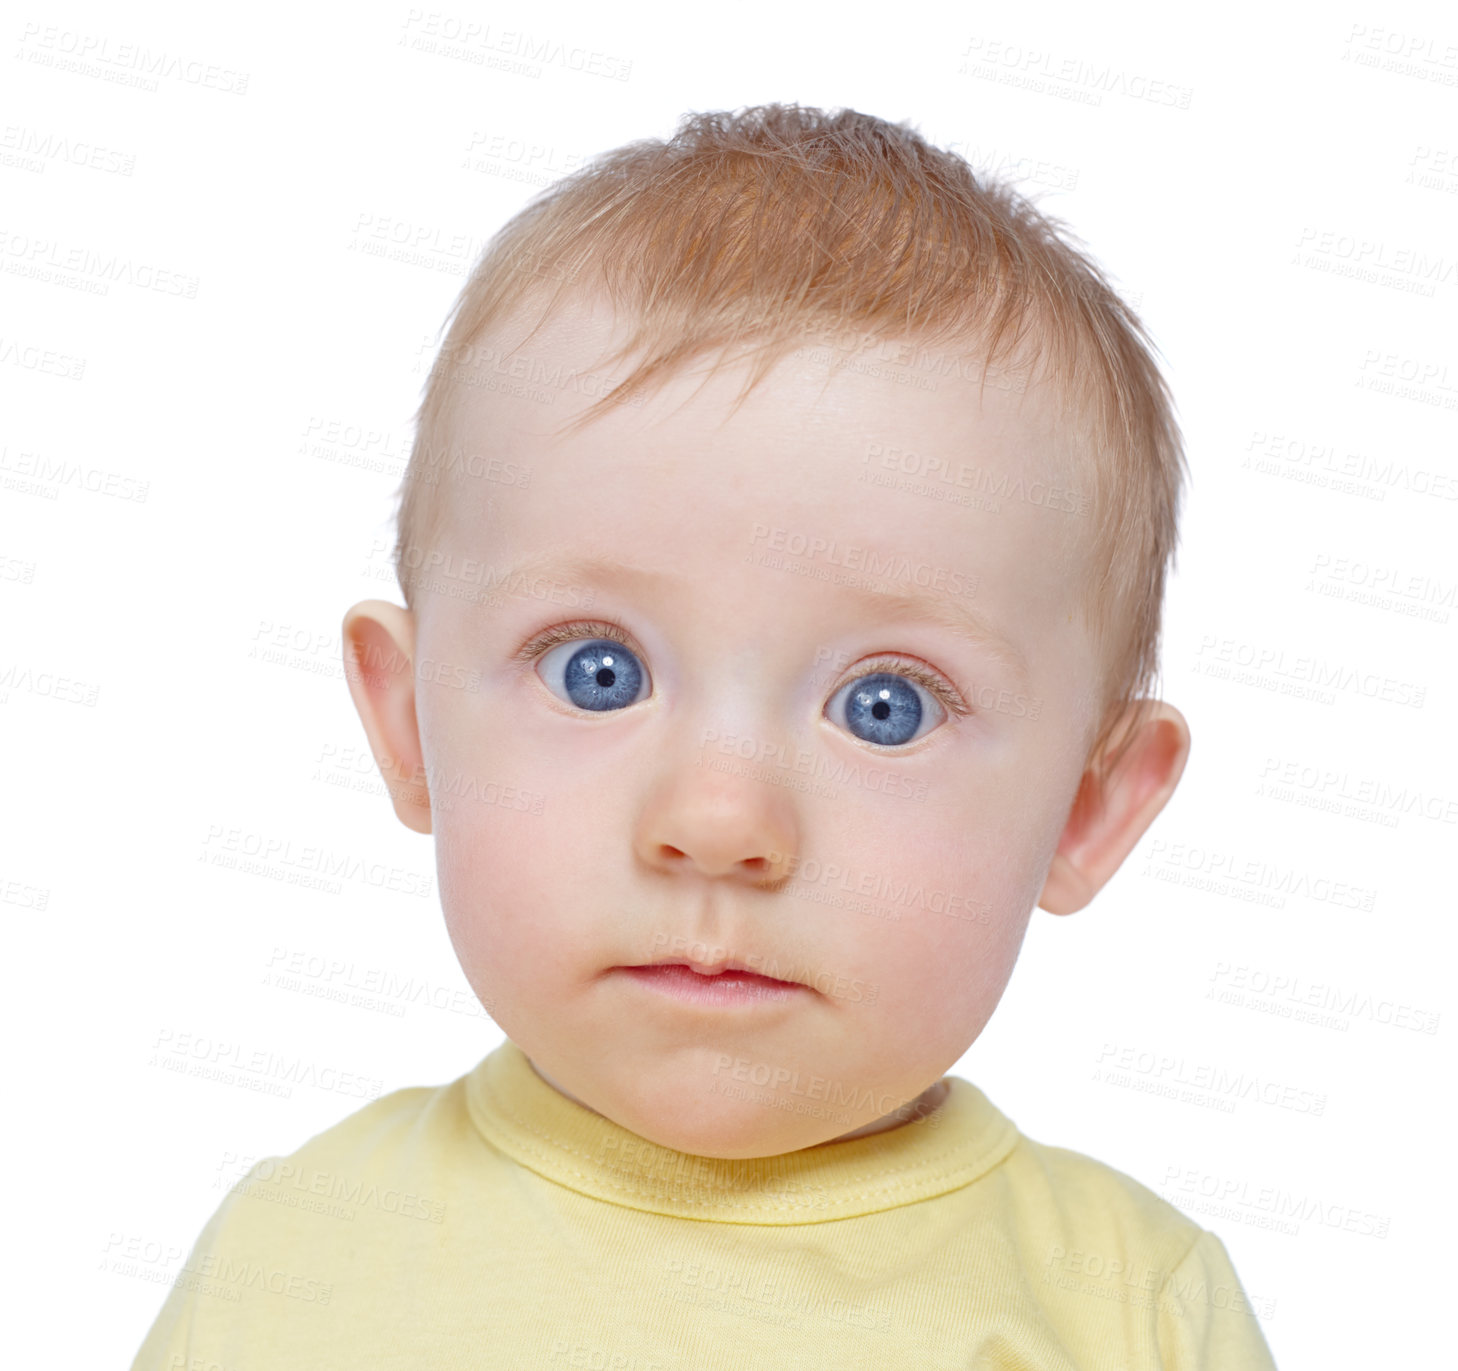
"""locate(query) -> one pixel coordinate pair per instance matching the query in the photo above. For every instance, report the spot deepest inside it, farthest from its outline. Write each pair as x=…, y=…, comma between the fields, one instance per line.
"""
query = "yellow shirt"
x=493, y=1222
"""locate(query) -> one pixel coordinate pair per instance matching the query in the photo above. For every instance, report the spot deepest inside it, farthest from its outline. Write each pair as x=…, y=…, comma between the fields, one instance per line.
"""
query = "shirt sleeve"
x=1207, y=1322
x=168, y=1342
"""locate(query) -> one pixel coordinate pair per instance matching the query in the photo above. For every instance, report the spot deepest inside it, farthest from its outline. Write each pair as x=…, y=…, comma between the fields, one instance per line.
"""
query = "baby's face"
x=771, y=765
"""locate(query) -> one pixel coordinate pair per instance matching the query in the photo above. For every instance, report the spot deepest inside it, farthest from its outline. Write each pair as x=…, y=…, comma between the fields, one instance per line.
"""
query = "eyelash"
x=616, y=632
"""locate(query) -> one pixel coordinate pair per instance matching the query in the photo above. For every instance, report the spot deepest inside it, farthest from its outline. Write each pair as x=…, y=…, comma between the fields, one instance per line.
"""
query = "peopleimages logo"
x=789, y=1081
x=272, y=1178
x=814, y=550
x=1165, y=1073
x=97, y=54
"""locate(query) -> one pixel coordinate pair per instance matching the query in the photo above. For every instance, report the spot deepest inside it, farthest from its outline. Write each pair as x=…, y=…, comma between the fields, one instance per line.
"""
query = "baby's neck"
x=926, y=1103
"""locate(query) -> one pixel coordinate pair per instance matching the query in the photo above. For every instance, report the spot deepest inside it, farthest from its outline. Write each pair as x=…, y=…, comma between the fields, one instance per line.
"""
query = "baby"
x=784, y=545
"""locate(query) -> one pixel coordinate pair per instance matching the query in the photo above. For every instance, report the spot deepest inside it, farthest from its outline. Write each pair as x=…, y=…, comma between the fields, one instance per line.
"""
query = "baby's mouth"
x=730, y=985
x=722, y=977
x=727, y=971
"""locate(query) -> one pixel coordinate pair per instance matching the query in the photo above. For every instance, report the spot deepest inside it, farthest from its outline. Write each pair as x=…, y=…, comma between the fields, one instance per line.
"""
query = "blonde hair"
x=777, y=221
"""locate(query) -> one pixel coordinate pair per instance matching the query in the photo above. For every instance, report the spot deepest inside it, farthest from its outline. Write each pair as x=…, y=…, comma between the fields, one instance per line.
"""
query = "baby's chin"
x=729, y=1130
x=718, y=1119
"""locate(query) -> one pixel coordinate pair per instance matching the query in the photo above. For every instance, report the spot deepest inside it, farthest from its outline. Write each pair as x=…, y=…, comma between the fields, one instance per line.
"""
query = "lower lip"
x=727, y=988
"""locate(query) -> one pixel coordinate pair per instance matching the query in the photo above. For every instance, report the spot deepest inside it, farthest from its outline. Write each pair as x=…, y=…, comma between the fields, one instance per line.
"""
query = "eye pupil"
x=600, y=674
x=884, y=709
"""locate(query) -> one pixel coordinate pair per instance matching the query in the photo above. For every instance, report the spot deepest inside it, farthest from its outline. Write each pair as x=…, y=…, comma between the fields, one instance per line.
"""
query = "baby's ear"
x=379, y=665
x=1113, y=809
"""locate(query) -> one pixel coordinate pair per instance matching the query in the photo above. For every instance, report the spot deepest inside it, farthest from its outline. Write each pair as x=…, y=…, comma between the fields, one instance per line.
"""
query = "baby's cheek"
x=520, y=899
x=484, y=879
x=956, y=915
x=947, y=877
x=943, y=961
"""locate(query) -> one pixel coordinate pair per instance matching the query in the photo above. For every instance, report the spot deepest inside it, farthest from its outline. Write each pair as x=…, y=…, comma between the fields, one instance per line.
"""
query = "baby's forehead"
x=525, y=375
x=854, y=476
x=890, y=432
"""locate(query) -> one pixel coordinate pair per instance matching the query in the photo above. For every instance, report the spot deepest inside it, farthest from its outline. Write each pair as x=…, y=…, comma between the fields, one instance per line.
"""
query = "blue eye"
x=599, y=673
x=882, y=708
x=883, y=705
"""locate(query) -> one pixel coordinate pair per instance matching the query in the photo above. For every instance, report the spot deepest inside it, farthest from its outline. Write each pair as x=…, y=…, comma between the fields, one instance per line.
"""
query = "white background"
x=246, y=377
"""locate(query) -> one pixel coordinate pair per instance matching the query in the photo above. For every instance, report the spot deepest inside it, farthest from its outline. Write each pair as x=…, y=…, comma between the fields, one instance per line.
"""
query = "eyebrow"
x=940, y=611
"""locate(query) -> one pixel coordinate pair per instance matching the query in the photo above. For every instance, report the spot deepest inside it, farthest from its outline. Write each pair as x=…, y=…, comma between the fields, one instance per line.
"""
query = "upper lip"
x=714, y=968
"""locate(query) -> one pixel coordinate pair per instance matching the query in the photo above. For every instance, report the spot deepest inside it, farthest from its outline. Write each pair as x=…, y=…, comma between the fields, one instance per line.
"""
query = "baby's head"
x=784, y=545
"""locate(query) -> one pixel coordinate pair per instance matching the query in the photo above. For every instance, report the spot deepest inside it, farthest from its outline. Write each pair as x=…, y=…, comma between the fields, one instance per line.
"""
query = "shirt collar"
x=518, y=1113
